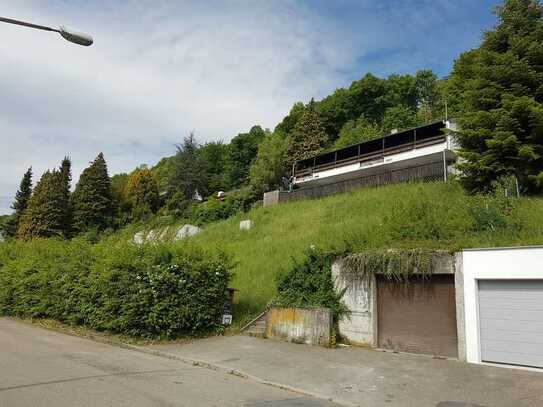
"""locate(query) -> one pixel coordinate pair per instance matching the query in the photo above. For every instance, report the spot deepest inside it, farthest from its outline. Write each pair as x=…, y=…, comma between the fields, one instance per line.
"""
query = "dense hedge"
x=150, y=291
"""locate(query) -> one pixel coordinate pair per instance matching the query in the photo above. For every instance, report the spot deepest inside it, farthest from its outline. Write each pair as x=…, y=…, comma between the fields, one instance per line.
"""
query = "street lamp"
x=67, y=34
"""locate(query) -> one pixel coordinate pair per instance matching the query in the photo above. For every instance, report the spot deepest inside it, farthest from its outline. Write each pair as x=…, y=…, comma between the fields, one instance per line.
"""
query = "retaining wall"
x=309, y=326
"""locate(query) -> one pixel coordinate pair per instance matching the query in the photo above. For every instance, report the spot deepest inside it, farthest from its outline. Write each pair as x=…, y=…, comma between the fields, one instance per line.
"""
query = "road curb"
x=235, y=372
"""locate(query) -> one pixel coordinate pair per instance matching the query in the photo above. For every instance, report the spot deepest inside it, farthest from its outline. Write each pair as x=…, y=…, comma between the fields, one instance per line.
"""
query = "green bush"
x=309, y=284
x=237, y=201
x=150, y=291
x=493, y=211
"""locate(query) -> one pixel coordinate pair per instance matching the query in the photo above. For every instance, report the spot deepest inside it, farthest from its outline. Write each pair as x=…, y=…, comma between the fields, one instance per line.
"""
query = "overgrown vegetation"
x=309, y=284
x=152, y=291
x=363, y=220
x=396, y=264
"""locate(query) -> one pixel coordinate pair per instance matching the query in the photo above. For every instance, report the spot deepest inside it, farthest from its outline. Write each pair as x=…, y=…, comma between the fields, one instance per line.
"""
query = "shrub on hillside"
x=494, y=210
x=426, y=216
x=150, y=291
x=309, y=284
x=237, y=201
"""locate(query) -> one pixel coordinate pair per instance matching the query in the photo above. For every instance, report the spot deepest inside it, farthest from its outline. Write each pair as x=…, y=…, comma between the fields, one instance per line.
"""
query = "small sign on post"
x=227, y=319
x=227, y=313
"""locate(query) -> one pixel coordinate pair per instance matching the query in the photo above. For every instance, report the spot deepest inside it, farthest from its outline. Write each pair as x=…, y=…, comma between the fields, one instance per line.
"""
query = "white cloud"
x=156, y=71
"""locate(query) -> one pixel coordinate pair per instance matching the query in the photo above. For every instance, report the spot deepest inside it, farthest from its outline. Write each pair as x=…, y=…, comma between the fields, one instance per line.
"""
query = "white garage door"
x=511, y=321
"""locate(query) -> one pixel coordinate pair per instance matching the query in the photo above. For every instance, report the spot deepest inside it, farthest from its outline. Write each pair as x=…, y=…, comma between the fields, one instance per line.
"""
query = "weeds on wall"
x=396, y=265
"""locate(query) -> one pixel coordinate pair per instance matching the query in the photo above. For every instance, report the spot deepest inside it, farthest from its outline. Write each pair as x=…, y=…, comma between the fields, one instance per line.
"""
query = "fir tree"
x=22, y=197
x=497, y=92
x=189, y=173
x=92, y=197
x=44, y=216
x=308, y=137
x=66, y=175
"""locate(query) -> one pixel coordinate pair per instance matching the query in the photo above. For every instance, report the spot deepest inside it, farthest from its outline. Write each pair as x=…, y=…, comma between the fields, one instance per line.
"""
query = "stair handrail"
x=247, y=325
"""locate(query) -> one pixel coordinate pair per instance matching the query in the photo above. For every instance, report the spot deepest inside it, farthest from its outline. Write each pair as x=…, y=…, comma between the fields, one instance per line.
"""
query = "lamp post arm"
x=25, y=24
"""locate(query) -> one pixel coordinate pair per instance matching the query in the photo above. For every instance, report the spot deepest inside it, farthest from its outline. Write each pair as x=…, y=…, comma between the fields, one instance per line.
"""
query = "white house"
x=425, y=153
x=420, y=147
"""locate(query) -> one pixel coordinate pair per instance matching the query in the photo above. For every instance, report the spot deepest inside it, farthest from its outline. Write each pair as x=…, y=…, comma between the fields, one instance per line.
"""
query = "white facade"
x=518, y=263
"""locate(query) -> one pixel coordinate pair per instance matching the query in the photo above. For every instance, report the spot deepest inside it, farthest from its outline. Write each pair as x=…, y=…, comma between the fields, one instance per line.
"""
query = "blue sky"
x=159, y=69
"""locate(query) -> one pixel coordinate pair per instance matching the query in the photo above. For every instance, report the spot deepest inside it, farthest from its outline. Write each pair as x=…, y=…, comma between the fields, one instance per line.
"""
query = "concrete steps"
x=257, y=327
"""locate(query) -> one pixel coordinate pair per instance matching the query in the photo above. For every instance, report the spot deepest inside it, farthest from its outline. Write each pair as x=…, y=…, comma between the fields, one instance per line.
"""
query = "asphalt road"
x=40, y=367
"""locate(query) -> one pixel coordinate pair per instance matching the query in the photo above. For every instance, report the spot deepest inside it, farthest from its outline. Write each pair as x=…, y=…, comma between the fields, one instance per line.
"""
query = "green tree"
x=214, y=157
x=242, y=151
x=19, y=205
x=399, y=117
x=92, y=201
x=270, y=164
x=428, y=96
x=357, y=131
x=308, y=136
x=334, y=111
x=399, y=90
x=142, y=193
x=45, y=214
x=366, y=97
x=497, y=91
x=189, y=175
x=120, y=201
x=289, y=121
x=66, y=176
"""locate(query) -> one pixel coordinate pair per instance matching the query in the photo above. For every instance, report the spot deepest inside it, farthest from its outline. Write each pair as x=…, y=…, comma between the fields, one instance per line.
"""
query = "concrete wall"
x=359, y=327
x=515, y=263
x=309, y=326
x=271, y=198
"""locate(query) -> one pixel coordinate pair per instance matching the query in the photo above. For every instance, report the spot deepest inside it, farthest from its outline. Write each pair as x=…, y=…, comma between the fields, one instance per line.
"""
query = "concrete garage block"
x=246, y=224
x=187, y=231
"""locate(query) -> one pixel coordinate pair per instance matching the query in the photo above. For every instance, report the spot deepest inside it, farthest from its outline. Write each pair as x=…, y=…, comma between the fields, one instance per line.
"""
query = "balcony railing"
x=369, y=156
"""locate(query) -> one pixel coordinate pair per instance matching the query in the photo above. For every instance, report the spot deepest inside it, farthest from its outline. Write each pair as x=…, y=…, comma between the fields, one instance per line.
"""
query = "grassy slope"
x=408, y=216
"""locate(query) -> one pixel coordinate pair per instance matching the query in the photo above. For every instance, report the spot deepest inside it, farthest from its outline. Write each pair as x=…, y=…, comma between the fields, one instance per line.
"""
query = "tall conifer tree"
x=92, y=198
x=44, y=216
x=308, y=136
x=22, y=197
x=66, y=175
x=497, y=92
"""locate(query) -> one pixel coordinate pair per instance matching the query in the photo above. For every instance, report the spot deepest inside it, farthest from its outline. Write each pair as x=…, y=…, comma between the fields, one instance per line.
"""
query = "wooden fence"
x=426, y=173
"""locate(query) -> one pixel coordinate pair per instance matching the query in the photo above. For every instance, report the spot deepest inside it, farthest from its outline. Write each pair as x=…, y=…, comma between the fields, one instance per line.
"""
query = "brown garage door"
x=419, y=317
